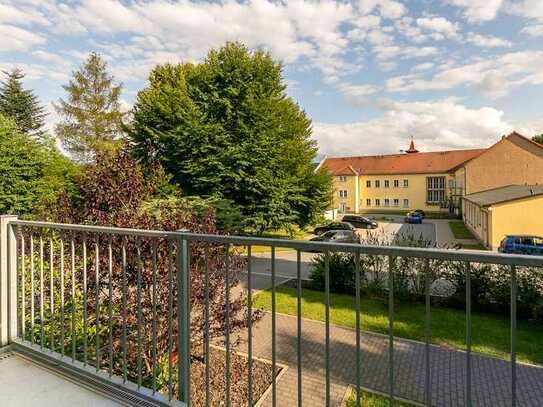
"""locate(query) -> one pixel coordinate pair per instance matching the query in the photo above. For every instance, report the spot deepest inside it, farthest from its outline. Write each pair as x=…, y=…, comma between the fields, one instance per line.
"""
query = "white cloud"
x=478, y=10
x=535, y=30
x=357, y=94
x=493, y=76
x=21, y=16
x=391, y=9
x=35, y=71
x=18, y=39
x=532, y=9
x=186, y=29
x=387, y=52
x=487, y=41
x=435, y=125
x=422, y=67
x=439, y=25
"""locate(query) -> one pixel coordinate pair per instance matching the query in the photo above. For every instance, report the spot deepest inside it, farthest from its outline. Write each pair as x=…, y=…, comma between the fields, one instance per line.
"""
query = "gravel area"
x=262, y=379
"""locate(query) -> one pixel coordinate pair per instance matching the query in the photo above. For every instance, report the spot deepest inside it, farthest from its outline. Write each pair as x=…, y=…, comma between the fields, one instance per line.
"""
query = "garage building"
x=512, y=210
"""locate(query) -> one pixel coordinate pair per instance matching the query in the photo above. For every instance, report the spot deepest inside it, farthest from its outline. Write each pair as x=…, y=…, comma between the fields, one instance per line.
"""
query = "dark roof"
x=504, y=194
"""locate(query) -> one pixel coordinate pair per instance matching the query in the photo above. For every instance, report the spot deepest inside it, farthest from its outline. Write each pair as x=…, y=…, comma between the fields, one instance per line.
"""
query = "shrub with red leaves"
x=115, y=191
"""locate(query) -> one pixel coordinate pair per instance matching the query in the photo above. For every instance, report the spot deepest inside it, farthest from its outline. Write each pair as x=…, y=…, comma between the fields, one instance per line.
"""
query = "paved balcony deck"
x=25, y=384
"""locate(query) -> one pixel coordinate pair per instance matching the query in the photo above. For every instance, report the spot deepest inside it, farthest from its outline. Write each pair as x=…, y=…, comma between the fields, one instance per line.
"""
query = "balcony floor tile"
x=25, y=384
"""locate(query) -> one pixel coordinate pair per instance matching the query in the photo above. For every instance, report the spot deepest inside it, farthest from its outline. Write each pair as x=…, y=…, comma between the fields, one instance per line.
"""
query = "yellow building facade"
x=397, y=182
x=399, y=192
x=512, y=210
x=431, y=181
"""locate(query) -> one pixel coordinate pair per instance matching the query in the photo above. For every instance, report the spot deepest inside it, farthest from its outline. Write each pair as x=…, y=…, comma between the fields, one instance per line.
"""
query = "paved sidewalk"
x=491, y=377
x=444, y=234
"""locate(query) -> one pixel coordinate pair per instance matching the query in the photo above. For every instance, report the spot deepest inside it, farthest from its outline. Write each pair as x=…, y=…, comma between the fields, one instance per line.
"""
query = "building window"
x=368, y=184
x=435, y=189
x=387, y=202
x=396, y=202
x=343, y=208
x=368, y=202
x=342, y=178
x=406, y=203
x=387, y=183
x=343, y=193
x=452, y=183
x=377, y=183
x=405, y=183
x=377, y=202
x=396, y=183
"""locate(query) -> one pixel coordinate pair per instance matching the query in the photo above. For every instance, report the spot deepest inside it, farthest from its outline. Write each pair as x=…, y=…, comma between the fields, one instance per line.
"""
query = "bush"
x=113, y=191
x=490, y=284
x=32, y=172
x=491, y=288
x=342, y=272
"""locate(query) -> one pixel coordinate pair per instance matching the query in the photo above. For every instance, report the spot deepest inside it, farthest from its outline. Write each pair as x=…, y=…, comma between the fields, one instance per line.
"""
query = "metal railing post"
x=183, y=319
x=8, y=280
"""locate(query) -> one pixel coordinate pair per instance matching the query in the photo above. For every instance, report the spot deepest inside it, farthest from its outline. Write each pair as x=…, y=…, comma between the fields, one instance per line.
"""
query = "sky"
x=370, y=74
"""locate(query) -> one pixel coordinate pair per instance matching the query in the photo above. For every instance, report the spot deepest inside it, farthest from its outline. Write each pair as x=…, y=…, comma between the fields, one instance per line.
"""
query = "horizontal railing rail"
x=477, y=256
x=146, y=306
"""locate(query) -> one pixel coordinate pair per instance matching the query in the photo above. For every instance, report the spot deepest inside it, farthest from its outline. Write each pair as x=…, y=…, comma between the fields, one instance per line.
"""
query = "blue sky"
x=370, y=73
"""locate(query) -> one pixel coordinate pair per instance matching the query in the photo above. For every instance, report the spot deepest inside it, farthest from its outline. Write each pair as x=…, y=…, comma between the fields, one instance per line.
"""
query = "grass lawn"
x=372, y=400
x=474, y=246
x=460, y=231
x=490, y=333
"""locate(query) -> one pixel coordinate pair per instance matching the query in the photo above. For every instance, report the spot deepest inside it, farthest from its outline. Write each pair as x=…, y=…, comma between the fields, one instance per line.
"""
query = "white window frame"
x=406, y=183
x=387, y=203
x=377, y=202
x=406, y=203
x=396, y=202
x=396, y=183
x=343, y=193
x=435, y=189
x=342, y=178
x=368, y=202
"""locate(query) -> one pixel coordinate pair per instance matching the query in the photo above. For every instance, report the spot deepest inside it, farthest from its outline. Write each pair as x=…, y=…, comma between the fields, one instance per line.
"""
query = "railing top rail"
x=94, y=229
x=474, y=256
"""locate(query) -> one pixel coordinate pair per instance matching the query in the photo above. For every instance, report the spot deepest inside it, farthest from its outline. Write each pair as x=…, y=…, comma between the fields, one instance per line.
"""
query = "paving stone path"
x=491, y=383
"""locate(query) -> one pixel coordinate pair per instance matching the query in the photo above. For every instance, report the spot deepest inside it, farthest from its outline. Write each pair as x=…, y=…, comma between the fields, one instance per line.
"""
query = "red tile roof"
x=415, y=163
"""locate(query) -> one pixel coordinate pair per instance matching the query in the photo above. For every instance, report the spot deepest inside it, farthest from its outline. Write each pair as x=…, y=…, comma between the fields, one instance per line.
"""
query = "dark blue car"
x=522, y=244
x=413, y=217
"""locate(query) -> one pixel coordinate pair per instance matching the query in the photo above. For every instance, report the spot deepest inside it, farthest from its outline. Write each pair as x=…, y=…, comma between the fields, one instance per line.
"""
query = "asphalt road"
x=285, y=269
x=426, y=230
x=285, y=261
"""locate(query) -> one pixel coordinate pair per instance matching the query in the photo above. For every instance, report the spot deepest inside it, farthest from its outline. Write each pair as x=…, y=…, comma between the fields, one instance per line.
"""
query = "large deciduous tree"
x=21, y=105
x=91, y=117
x=226, y=128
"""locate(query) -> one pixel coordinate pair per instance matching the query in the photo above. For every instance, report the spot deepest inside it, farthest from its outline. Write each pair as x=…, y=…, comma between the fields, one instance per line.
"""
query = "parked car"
x=360, y=221
x=413, y=217
x=333, y=226
x=522, y=244
x=420, y=212
x=338, y=236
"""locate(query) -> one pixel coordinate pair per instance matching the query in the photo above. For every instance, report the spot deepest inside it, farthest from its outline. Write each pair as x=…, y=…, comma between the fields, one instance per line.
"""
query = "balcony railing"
x=118, y=308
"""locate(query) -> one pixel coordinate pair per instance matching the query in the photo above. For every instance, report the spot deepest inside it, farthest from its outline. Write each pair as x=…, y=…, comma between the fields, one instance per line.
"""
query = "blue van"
x=522, y=244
